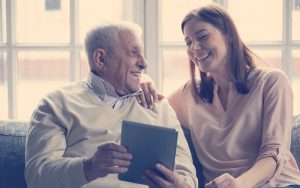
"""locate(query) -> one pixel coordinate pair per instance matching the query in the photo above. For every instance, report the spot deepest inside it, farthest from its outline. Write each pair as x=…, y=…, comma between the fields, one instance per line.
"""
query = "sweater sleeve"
x=277, y=119
x=46, y=167
x=183, y=160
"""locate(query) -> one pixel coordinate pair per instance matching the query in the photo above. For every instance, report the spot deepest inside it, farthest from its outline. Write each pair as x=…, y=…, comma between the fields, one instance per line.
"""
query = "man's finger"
x=148, y=181
x=115, y=170
x=143, y=100
x=157, y=179
x=115, y=155
x=169, y=175
x=112, y=147
x=115, y=162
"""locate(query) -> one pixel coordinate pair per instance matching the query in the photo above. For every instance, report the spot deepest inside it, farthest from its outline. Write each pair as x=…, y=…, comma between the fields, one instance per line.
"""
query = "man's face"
x=125, y=64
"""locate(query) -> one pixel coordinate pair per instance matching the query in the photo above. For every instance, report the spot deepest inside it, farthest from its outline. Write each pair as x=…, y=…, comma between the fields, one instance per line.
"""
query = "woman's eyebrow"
x=196, y=33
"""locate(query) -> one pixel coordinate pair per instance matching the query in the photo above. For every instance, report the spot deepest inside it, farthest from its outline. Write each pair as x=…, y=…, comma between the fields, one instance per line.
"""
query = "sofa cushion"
x=12, y=147
x=295, y=146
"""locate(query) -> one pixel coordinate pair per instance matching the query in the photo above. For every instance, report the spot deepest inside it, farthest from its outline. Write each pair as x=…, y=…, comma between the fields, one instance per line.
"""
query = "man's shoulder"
x=162, y=106
x=67, y=90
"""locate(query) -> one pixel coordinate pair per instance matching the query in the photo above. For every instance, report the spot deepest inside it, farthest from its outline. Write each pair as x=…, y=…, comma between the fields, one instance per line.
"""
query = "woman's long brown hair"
x=239, y=56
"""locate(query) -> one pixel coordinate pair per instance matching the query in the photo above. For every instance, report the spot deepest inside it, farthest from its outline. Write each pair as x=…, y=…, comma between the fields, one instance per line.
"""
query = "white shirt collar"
x=106, y=92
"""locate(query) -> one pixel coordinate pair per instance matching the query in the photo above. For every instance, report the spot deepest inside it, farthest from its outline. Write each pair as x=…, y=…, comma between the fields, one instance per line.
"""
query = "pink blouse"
x=253, y=126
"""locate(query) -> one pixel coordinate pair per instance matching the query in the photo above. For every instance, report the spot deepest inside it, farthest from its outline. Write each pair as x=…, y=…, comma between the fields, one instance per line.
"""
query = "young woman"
x=239, y=116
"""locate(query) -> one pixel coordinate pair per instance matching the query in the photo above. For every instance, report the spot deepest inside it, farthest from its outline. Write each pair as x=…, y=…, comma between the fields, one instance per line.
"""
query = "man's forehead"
x=128, y=38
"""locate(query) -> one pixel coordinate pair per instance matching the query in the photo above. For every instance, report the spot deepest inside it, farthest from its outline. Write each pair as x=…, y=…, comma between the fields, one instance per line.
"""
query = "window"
x=41, y=42
x=3, y=86
x=273, y=32
x=41, y=47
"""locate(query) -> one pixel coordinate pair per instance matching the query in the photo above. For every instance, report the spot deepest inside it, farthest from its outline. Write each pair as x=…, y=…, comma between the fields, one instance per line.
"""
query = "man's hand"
x=167, y=179
x=226, y=181
x=110, y=158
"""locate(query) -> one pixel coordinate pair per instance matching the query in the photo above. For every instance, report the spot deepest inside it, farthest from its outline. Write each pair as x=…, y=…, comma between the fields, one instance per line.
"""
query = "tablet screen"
x=149, y=144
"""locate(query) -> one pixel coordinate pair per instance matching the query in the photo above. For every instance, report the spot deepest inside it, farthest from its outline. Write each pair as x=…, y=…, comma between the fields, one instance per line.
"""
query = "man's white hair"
x=105, y=36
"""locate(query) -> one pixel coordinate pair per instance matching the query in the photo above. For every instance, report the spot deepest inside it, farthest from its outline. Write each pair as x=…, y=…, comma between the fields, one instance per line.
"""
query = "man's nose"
x=142, y=62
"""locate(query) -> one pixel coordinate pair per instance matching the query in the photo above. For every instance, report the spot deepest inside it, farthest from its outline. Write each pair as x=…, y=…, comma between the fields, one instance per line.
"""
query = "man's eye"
x=188, y=44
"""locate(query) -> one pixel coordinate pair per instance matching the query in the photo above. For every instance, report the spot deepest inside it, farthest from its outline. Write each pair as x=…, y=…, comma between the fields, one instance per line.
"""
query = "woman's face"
x=206, y=46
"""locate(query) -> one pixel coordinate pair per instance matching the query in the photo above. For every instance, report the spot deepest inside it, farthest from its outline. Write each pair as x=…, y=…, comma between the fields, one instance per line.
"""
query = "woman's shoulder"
x=182, y=92
x=185, y=88
x=270, y=75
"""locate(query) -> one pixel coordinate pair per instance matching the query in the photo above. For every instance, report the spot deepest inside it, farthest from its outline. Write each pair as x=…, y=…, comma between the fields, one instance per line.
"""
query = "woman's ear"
x=99, y=58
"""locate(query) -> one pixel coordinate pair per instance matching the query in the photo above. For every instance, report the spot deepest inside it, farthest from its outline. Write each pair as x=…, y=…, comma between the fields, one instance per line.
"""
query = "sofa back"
x=12, y=154
x=295, y=144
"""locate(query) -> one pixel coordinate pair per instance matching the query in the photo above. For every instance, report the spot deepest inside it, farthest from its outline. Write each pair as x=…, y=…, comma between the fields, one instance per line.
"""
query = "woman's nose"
x=196, y=45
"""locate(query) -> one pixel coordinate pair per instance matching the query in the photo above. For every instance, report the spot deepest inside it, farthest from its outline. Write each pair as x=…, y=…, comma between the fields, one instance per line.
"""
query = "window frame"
x=147, y=14
x=287, y=45
x=74, y=47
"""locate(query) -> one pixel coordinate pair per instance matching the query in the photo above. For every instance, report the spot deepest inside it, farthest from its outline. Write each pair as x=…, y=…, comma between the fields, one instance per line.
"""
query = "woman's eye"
x=202, y=37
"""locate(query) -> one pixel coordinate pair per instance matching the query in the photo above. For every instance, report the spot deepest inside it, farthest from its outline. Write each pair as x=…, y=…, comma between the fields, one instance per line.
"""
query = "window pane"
x=172, y=13
x=2, y=21
x=39, y=73
x=37, y=23
x=272, y=58
x=296, y=81
x=296, y=20
x=3, y=86
x=175, y=70
x=257, y=20
x=84, y=65
x=93, y=12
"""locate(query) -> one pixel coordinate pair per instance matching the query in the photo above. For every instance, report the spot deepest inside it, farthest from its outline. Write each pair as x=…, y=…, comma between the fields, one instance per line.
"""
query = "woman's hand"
x=164, y=178
x=149, y=93
x=226, y=181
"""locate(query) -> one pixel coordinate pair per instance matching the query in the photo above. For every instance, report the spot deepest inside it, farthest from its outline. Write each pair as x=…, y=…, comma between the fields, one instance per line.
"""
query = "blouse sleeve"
x=277, y=118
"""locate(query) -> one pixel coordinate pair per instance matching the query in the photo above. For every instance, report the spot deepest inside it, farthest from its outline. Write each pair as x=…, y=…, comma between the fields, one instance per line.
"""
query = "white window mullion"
x=152, y=24
x=74, y=32
x=1, y=25
x=287, y=40
x=11, y=60
x=129, y=11
x=137, y=12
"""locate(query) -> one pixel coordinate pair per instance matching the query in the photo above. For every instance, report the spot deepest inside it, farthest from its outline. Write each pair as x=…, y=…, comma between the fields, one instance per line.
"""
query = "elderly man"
x=73, y=133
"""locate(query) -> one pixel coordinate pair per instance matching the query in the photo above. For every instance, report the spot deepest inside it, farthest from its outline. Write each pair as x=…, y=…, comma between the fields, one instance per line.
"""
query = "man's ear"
x=99, y=59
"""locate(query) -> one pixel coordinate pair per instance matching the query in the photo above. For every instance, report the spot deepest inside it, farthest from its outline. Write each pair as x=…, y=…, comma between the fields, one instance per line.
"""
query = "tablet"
x=149, y=144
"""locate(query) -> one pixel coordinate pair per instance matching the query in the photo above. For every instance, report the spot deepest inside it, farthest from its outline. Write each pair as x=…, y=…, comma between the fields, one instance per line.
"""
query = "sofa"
x=12, y=147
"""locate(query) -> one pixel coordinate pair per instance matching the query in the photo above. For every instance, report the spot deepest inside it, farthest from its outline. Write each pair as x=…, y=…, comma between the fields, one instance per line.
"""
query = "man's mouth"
x=137, y=74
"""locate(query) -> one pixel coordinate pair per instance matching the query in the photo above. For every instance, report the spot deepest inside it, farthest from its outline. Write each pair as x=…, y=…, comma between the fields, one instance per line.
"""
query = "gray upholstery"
x=12, y=143
x=12, y=146
x=295, y=146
